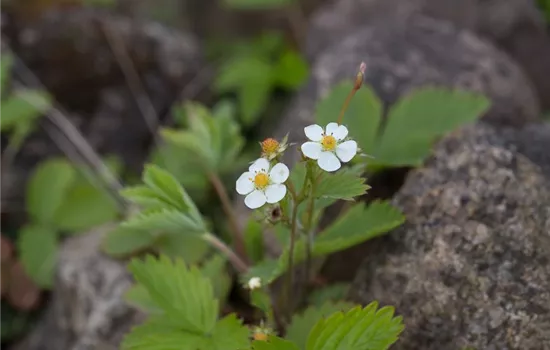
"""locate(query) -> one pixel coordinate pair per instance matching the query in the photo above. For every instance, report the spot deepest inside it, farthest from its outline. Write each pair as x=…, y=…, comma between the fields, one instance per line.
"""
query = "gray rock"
x=470, y=267
x=516, y=26
x=86, y=310
x=402, y=55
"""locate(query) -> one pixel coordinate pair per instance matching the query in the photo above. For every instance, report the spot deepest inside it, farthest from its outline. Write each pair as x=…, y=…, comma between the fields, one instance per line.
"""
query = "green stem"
x=290, y=272
x=308, y=229
x=233, y=258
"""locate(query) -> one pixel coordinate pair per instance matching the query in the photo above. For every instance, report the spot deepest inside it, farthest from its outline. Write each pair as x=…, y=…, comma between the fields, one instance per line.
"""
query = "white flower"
x=327, y=147
x=254, y=283
x=260, y=185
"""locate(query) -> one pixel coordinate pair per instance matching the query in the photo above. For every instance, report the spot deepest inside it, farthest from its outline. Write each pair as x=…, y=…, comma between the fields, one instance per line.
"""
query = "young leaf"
x=301, y=324
x=193, y=309
x=419, y=118
x=168, y=220
x=191, y=248
x=334, y=292
x=358, y=328
x=362, y=117
x=23, y=107
x=37, y=247
x=342, y=185
x=257, y=4
x=145, y=196
x=122, y=242
x=358, y=225
x=47, y=188
x=274, y=343
x=84, y=206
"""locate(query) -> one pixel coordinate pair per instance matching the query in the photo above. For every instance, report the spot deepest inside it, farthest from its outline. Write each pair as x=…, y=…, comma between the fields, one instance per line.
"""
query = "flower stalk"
x=356, y=86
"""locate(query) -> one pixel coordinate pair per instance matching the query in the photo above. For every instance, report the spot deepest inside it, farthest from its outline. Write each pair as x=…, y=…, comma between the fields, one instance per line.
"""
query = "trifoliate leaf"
x=257, y=4
x=291, y=70
x=23, y=107
x=159, y=334
x=362, y=117
x=274, y=343
x=168, y=188
x=37, y=247
x=6, y=62
x=84, y=206
x=301, y=324
x=253, y=240
x=333, y=292
x=342, y=185
x=47, y=188
x=191, y=248
x=138, y=297
x=358, y=225
x=184, y=294
x=419, y=118
x=168, y=220
x=360, y=329
x=122, y=241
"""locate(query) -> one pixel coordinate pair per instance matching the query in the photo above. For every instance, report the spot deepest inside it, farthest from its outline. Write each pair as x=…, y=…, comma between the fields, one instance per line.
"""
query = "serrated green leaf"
x=138, y=297
x=167, y=220
x=47, y=188
x=419, y=118
x=168, y=283
x=358, y=225
x=333, y=292
x=23, y=107
x=159, y=334
x=341, y=185
x=257, y=4
x=362, y=117
x=301, y=324
x=122, y=242
x=144, y=196
x=191, y=248
x=229, y=334
x=253, y=240
x=215, y=269
x=291, y=70
x=37, y=247
x=84, y=206
x=6, y=62
x=361, y=329
x=274, y=343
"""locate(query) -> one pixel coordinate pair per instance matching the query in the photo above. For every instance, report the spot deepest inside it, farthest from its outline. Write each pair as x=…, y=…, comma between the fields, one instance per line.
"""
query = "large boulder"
x=516, y=26
x=470, y=267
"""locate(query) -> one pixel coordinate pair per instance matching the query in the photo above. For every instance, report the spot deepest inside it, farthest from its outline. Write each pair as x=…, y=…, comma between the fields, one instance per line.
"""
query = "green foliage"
x=303, y=323
x=544, y=6
x=37, y=247
x=342, y=185
x=124, y=241
x=334, y=292
x=274, y=343
x=253, y=239
x=359, y=224
x=189, y=318
x=413, y=124
x=366, y=328
x=253, y=70
x=257, y=4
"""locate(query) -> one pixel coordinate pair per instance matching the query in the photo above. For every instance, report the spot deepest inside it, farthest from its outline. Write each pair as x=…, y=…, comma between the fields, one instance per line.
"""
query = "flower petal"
x=328, y=161
x=340, y=133
x=260, y=165
x=312, y=149
x=279, y=173
x=255, y=199
x=244, y=183
x=314, y=132
x=346, y=150
x=331, y=128
x=275, y=192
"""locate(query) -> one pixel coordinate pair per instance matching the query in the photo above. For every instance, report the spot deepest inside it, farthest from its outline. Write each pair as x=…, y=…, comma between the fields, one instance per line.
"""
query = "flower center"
x=270, y=146
x=328, y=142
x=261, y=180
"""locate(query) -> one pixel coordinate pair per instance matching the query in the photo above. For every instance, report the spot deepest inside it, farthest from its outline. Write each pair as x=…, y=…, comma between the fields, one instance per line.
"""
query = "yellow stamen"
x=270, y=146
x=261, y=180
x=328, y=142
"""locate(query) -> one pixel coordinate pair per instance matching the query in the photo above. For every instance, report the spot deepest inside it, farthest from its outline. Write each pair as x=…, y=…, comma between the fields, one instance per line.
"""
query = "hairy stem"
x=290, y=272
x=233, y=258
x=238, y=240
